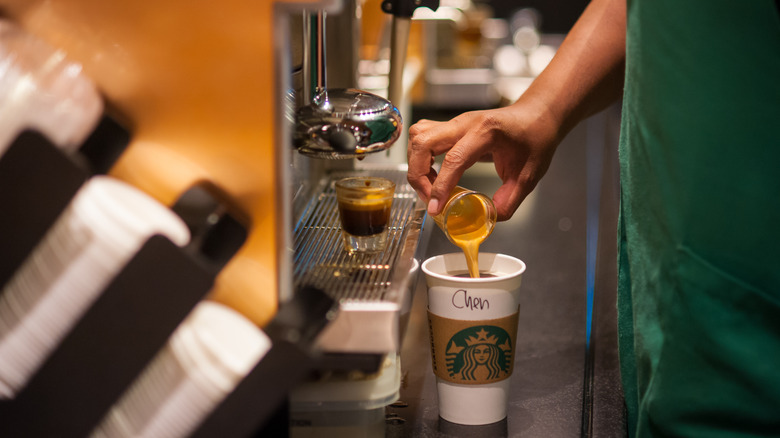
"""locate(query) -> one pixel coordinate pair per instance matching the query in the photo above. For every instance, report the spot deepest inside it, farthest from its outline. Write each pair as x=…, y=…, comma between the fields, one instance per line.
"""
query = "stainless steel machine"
x=361, y=373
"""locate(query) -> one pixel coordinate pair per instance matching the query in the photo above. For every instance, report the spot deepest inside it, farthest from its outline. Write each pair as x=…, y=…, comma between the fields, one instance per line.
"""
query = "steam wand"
x=402, y=11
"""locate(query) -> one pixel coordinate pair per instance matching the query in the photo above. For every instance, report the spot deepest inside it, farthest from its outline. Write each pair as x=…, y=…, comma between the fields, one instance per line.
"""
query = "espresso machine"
x=362, y=370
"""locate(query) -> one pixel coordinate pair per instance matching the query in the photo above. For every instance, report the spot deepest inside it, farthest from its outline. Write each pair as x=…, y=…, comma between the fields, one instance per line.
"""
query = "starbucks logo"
x=479, y=354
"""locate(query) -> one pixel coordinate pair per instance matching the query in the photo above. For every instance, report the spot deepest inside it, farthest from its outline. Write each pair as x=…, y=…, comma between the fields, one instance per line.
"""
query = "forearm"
x=586, y=74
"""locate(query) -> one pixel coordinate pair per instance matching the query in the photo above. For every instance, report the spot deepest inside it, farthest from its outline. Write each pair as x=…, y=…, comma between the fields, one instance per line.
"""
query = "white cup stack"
x=41, y=89
x=103, y=227
x=210, y=352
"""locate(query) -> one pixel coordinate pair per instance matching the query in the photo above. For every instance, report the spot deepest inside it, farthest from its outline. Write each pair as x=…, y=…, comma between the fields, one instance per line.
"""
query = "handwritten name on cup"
x=473, y=351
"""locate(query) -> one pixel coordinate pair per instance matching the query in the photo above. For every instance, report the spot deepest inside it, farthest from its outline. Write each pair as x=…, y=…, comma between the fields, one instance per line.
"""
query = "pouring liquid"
x=467, y=221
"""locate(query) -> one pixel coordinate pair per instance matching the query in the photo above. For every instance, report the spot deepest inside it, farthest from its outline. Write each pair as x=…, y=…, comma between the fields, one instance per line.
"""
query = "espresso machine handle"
x=402, y=11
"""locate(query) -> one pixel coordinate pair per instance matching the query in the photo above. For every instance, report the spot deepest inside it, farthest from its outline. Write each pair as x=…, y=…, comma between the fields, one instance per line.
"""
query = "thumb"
x=507, y=199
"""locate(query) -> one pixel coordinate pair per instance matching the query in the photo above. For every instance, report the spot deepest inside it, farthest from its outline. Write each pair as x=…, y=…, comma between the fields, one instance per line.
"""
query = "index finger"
x=467, y=151
x=426, y=140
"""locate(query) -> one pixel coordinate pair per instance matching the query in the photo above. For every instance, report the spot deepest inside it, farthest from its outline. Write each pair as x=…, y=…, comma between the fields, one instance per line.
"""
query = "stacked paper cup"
x=103, y=227
x=41, y=89
x=207, y=356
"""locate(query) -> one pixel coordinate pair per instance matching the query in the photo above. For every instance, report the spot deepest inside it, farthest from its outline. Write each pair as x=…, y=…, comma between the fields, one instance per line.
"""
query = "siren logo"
x=479, y=354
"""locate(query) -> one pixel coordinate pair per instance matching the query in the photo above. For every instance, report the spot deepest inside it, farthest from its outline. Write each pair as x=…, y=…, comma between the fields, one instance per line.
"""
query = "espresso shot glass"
x=364, y=204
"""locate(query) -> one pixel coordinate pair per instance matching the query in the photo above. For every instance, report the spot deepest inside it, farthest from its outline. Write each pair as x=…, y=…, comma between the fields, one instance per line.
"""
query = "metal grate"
x=321, y=261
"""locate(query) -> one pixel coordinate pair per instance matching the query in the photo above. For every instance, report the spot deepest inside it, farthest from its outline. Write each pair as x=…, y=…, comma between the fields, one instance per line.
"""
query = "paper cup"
x=103, y=227
x=473, y=329
x=40, y=88
x=207, y=356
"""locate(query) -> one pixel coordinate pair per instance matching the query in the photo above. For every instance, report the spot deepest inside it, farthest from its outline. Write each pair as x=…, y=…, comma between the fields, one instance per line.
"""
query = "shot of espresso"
x=468, y=218
x=365, y=219
x=364, y=205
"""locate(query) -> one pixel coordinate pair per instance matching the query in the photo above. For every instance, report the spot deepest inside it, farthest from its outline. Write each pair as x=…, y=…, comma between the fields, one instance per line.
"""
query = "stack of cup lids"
x=104, y=226
x=210, y=352
x=41, y=89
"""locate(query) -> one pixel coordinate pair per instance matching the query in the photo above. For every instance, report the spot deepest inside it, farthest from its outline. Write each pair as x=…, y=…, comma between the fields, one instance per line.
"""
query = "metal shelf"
x=373, y=290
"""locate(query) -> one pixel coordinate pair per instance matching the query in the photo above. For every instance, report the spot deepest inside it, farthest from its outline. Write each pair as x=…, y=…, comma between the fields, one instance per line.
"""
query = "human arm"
x=585, y=76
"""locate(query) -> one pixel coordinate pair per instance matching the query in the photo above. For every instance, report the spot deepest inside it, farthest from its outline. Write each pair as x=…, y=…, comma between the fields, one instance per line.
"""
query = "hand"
x=519, y=139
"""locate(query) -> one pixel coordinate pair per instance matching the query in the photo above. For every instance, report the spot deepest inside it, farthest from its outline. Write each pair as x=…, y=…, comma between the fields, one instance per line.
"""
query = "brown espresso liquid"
x=481, y=275
x=365, y=219
x=467, y=226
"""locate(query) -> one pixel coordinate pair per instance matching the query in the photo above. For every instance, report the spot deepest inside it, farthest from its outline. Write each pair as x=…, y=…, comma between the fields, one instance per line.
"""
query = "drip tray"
x=374, y=291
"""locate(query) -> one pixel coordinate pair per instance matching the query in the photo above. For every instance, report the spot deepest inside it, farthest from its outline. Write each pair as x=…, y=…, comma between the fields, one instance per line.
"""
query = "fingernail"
x=433, y=206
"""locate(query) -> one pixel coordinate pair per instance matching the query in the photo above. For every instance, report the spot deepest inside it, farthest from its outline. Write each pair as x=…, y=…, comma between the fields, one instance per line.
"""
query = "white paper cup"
x=40, y=88
x=103, y=227
x=207, y=356
x=473, y=329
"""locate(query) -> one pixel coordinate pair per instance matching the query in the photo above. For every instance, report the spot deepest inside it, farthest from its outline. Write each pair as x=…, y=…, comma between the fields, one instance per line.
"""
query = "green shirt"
x=699, y=232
